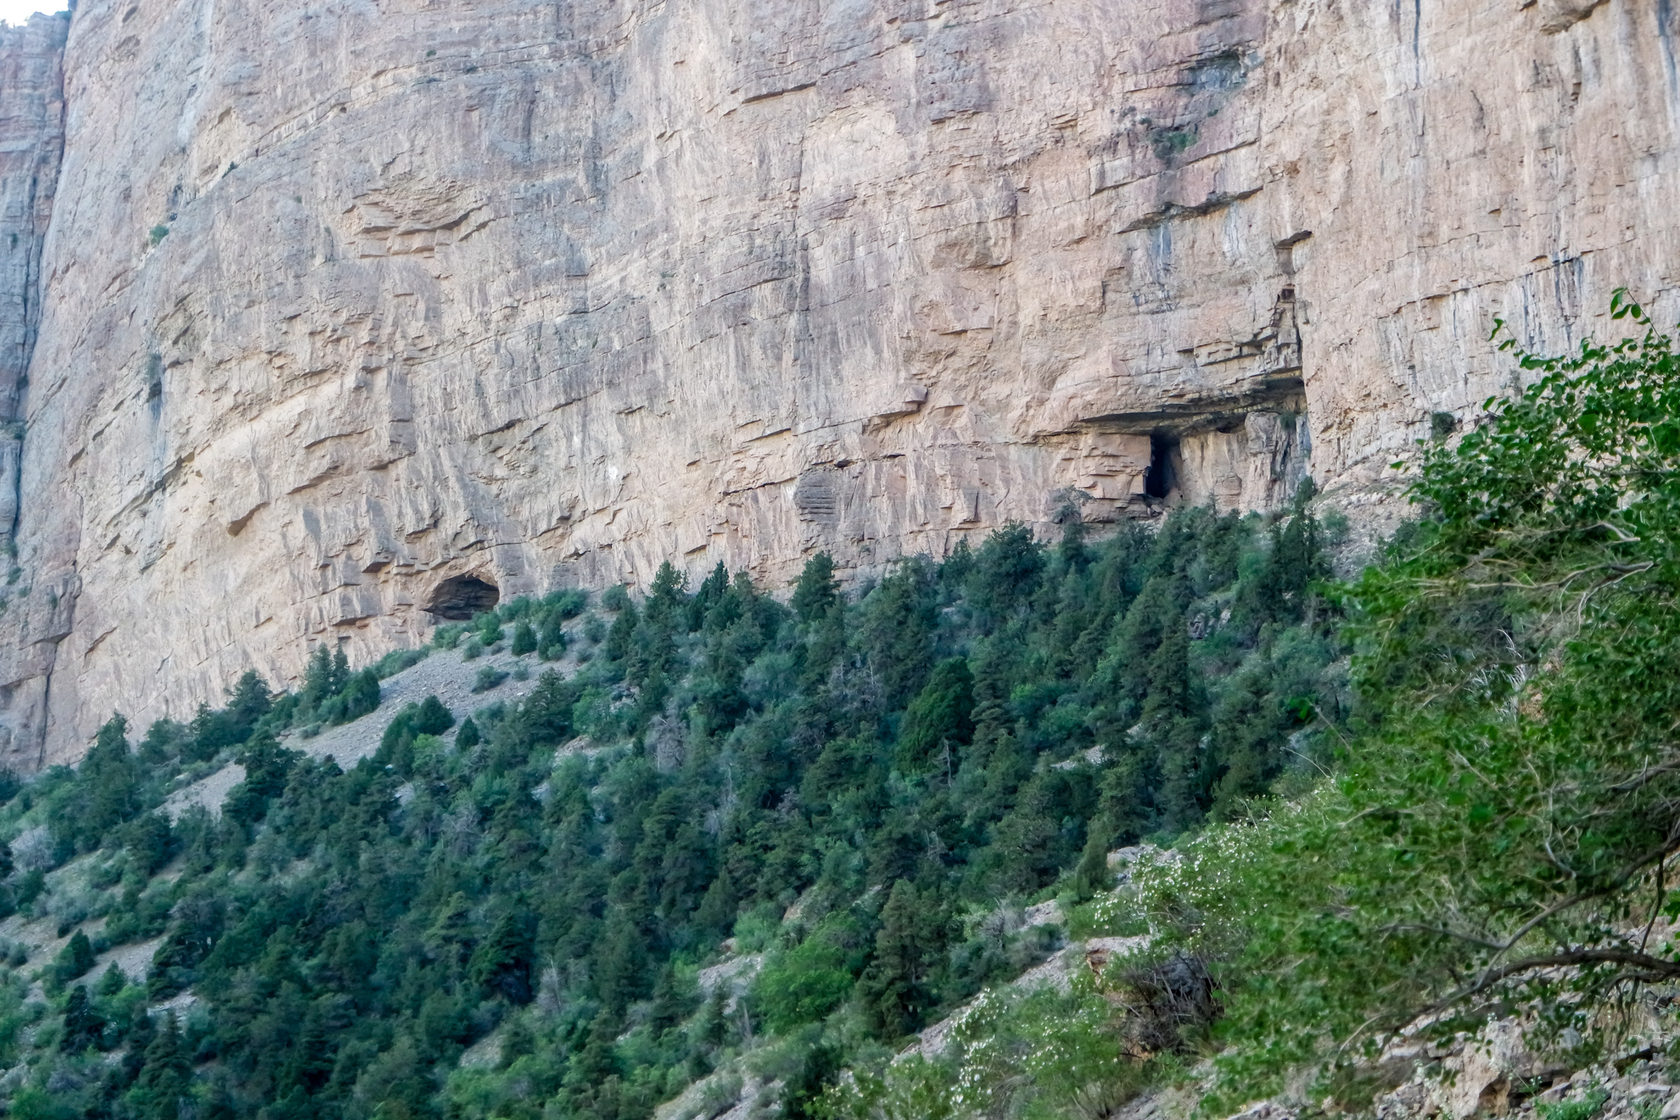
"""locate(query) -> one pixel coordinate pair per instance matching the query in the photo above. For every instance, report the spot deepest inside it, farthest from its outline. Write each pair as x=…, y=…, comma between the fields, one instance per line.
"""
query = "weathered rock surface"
x=338, y=304
x=31, y=143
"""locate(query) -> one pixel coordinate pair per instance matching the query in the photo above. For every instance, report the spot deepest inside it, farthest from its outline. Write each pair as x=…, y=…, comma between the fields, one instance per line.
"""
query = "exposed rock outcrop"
x=31, y=144
x=339, y=304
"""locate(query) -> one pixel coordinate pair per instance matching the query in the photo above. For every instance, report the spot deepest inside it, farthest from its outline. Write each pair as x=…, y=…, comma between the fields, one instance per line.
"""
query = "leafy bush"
x=396, y=661
x=1583, y=1108
x=805, y=983
x=1501, y=823
x=488, y=677
x=524, y=639
x=1043, y=1054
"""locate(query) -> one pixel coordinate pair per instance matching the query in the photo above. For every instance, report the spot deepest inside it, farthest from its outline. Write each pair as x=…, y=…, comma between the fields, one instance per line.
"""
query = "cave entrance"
x=1161, y=480
x=458, y=598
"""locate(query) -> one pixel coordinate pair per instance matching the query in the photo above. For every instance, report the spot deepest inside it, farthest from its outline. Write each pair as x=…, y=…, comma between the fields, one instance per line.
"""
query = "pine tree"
x=109, y=781
x=150, y=843
x=1092, y=875
x=713, y=593
x=665, y=601
x=896, y=630
x=74, y=959
x=1006, y=572
x=524, y=639
x=502, y=962
x=359, y=696
x=620, y=962
x=551, y=641
x=339, y=677
x=83, y=1025
x=432, y=718
x=895, y=988
x=249, y=700
x=939, y=720
x=318, y=683
x=1173, y=717
x=594, y=1068
x=111, y=981
x=142, y=1030
x=817, y=593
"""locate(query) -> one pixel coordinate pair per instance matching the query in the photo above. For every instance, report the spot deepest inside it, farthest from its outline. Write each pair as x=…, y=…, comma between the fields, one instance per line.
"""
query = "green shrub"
x=1583, y=1109
x=524, y=639
x=398, y=660
x=488, y=677
x=1512, y=791
x=73, y=961
x=804, y=984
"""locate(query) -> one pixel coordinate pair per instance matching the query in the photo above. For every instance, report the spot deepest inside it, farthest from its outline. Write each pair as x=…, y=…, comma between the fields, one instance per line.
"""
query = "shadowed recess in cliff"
x=458, y=598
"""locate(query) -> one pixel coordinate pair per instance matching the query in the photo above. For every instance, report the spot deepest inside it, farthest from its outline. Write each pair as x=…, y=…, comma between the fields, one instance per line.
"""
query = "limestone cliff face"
x=338, y=303
x=31, y=143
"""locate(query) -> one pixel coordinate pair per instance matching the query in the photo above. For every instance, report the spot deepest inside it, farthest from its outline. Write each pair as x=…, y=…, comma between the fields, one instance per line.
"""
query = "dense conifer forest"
x=816, y=853
x=742, y=835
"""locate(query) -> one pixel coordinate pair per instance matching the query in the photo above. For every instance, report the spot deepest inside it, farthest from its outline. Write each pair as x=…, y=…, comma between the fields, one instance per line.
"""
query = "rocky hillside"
x=306, y=312
x=627, y=859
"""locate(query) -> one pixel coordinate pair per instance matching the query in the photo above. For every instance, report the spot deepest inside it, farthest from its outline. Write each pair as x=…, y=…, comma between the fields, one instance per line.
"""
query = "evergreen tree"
x=211, y=732
x=432, y=718
x=319, y=677
x=150, y=843
x=111, y=981
x=551, y=642
x=249, y=700
x=1006, y=572
x=502, y=963
x=74, y=959
x=524, y=639
x=109, y=794
x=817, y=593
x=896, y=630
x=83, y=1025
x=895, y=988
x=1092, y=875
x=939, y=721
x=141, y=1033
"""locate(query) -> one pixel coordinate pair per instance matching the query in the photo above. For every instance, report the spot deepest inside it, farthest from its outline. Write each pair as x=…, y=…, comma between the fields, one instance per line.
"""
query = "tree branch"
x=1647, y=968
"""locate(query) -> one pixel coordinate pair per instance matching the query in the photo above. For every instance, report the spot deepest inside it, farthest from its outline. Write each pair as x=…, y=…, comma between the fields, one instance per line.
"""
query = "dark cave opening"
x=458, y=598
x=1159, y=481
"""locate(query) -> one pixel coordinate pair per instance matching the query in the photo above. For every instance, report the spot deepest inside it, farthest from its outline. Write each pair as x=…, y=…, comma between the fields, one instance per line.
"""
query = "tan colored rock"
x=338, y=303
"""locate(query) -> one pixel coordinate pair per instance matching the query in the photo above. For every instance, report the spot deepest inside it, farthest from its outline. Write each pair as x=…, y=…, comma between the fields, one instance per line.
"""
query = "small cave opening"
x=458, y=598
x=1160, y=482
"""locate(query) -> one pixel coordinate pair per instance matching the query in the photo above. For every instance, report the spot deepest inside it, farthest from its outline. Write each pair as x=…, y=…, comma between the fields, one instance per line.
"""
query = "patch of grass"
x=1583, y=1109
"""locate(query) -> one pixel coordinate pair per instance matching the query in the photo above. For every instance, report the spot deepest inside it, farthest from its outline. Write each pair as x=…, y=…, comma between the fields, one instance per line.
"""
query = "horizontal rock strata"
x=340, y=304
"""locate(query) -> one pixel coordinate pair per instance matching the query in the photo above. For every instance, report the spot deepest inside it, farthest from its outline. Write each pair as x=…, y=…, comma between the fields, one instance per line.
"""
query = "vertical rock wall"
x=31, y=144
x=343, y=310
x=1454, y=163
